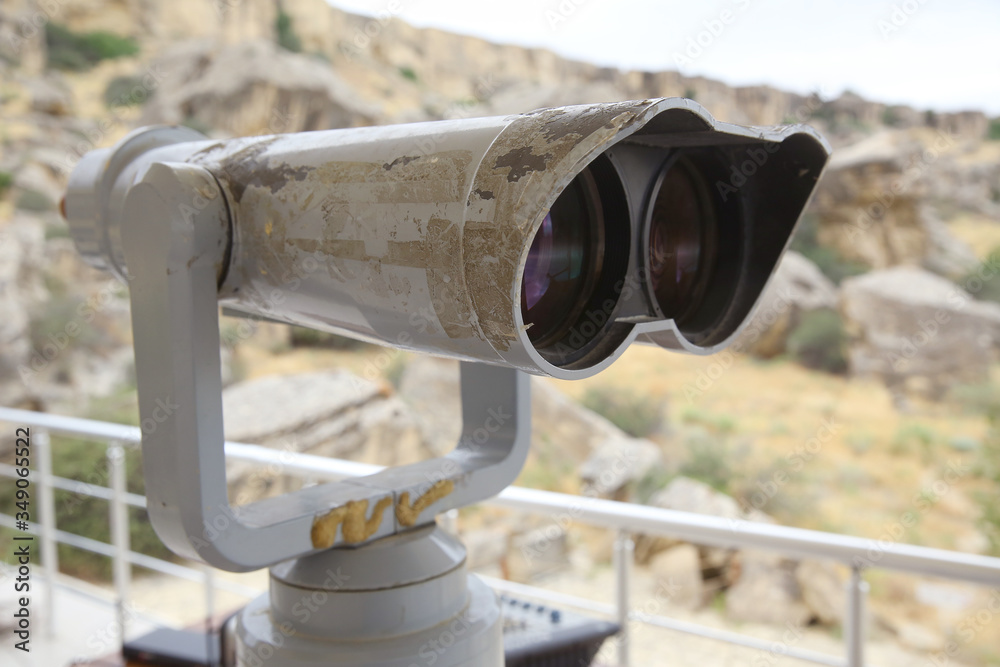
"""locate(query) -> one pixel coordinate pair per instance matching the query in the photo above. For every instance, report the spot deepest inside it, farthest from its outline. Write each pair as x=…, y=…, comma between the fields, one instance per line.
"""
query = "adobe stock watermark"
x=746, y=165
x=883, y=203
x=931, y=327
x=30, y=27
x=794, y=462
x=899, y=15
x=711, y=30
x=967, y=629
x=562, y=12
x=361, y=38
x=760, y=322
x=923, y=501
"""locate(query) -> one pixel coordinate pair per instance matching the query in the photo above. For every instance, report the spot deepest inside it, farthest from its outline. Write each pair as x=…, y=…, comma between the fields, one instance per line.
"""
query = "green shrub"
x=125, y=91
x=74, y=51
x=719, y=423
x=84, y=515
x=305, y=337
x=987, y=289
x=197, y=124
x=6, y=180
x=988, y=467
x=394, y=371
x=981, y=399
x=639, y=416
x=710, y=460
x=890, y=117
x=32, y=200
x=287, y=37
x=819, y=342
x=655, y=479
x=914, y=438
x=829, y=261
x=408, y=73
x=994, y=131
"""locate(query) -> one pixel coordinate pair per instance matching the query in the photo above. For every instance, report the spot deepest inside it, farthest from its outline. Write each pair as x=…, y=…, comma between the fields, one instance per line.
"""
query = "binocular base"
x=402, y=601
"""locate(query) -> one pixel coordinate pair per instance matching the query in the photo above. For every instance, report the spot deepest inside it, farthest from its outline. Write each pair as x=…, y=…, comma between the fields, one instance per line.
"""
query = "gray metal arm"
x=175, y=250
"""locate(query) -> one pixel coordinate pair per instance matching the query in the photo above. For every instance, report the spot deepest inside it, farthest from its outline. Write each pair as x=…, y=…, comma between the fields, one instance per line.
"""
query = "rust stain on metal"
x=245, y=168
x=408, y=514
x=350, y=517
x=520, y=161
x=404, y=160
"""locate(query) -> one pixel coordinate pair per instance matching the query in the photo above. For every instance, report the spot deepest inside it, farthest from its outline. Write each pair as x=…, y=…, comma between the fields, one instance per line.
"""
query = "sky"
x=925, y=53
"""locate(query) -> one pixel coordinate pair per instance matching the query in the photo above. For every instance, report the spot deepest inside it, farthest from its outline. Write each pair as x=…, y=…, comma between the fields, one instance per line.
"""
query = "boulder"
x=607, y=458
x=252, y=87
x=766, y=591
x=330, y=413
x=690, y=495
x=677, y=572
x=917, y=331
x=50, y=95
x=537, y=553
x=823, y=590
x=22, y=290
x=797, y=286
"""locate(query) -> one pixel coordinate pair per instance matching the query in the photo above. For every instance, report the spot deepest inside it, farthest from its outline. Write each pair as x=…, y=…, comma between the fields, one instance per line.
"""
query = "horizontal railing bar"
x=697, y=528
x=545, y=595
x=694, y=629
x=75, y=486
x=739, y=639
x=70, y=586
x=142, y=560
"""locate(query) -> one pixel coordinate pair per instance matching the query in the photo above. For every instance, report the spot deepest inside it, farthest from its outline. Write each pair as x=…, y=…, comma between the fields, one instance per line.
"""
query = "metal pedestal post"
x=401, y=601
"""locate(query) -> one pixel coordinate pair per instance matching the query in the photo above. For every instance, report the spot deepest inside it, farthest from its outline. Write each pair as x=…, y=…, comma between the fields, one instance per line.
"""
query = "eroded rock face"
x=917, y=331
x=251, y=88
x=331, y=413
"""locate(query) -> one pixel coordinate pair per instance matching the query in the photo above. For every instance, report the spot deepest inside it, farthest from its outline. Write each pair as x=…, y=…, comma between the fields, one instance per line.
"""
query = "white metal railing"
x=625, y=518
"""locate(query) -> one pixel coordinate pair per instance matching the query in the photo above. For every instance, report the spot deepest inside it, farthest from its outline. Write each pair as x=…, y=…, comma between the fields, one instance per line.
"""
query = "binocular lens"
x=681, y=239
x=564, y=262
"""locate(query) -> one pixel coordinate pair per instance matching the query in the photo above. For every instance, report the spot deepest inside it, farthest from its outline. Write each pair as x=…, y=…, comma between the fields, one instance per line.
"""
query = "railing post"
x=623, y=560
x=857, y=593
x=209, y=596
x=47, y=509
x=122, y=567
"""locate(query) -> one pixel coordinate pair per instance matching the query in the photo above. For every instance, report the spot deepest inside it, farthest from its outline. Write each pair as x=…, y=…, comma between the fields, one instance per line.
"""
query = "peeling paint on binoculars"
x=547, y=241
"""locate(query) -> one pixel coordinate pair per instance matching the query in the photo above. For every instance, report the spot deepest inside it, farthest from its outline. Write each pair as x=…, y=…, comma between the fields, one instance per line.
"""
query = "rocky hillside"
x=884, y=317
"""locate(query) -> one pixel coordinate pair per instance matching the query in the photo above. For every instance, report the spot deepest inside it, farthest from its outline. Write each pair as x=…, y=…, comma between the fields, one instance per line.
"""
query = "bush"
x=32, y=200
x=890, y=117
x=78, y=52
x=994, y=131
x=88, y=516
x=305, y=337
x=639, y=416
x=717, y=423
x=988, y=467
x=819, y=342
x=408, y=73
x=125, y=91
x=710, y=460
x=914, y=438
x=829, y=261
x=6, y=180
x=984, y=289
x=981, y=399
x=287, y=37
